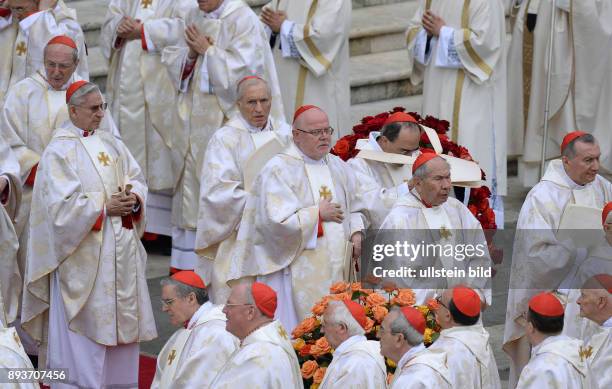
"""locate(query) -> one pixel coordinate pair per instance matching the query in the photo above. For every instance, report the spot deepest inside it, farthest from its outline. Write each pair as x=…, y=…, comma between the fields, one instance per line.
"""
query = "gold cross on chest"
x=146, y=3
x=585, y=353
x=103, y=158
x=445, y=233
x=325, y=193
x=282, y=332
x=21, y=48
x=171, y=356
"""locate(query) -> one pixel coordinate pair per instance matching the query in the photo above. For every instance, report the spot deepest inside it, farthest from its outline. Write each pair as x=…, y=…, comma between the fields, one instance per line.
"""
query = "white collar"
x=349, y=342
x=546, y=341
x=204, y=308
x=373, y=142
x=216, y=14
x=571, y=183
x=253, y=129
x=608, y=323
x=410, y=354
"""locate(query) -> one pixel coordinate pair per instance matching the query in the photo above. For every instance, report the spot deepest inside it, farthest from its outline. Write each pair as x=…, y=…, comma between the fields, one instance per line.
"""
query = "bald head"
x=595, y=299
x=60, y=63
x=312, y=133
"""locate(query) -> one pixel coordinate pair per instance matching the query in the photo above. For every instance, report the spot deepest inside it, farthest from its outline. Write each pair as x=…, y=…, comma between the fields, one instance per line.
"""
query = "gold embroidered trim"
x=311, y=45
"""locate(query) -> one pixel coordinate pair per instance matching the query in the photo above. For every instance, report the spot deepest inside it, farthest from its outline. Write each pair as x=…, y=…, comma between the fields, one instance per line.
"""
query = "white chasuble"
x=13, y=356
x=357, y=364
x=278, y=231
x=223, y=195
x=100, y=275
x=8, y=33
x=33, y=34
x=463, y=72
x=558, y=363
x=423, y=369
x=265, y=359
x=471, y=362
x=193, y=356
x=208, y=95
x=598, y=349
x=317, y=70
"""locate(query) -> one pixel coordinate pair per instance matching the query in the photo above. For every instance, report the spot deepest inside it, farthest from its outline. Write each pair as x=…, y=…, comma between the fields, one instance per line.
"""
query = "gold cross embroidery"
x=585, y=353
x=104, y=158
x=445, y=233
x=21, y=48
x=325, y=193
x=282, y=332
x=146, y=3
x=171, y=357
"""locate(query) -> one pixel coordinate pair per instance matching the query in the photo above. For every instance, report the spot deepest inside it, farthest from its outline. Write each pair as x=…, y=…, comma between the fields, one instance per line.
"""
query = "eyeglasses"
x=167, y=302
x=102, y=107
x=439, y=301
x=236, y=305
x=319, y=131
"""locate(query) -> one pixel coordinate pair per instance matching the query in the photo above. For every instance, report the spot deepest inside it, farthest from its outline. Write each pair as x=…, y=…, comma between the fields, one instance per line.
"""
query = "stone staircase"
x=379, y=80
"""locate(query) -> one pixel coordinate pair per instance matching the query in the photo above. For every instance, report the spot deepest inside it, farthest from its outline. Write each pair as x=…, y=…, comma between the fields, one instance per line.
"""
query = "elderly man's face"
x=335, y=333
x=179, y=309
x=209, y=5
x=583, y=168
x=389, y=343
x=435, y=187
x=406, y=143
x=59, y=64
x=591, y=301
x=20, y=9
x=89, y=114
x=312, y=134
x=238, y=312
x=255, y=104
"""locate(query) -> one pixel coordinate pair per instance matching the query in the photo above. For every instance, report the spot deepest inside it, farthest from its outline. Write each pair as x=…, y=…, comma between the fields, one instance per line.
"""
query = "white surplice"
x=13, y=356
x=557, y=363
x=223, y=196
x=198, y=351
x=471, y=362
x=265, y=359
x=598, y=349
x=311, y=53
x=357, y=364
x=422, y=368
x=463, y=72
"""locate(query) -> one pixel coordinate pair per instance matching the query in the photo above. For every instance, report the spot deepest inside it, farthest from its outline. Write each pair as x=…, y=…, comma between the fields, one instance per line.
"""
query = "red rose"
x=366, y=119
x=342, y=148
x=416, y=116
x=360, y=129
x=399, y=109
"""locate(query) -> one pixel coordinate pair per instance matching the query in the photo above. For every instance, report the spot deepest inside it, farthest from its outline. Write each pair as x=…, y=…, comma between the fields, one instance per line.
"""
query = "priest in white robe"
x=298, y=221
x=382, y=177
x=557, y=361
x=596, y=305
x=470, y=358
x=310, y=43
x=193, y=355
x=540, y=259
x=10, y=198
x=13, y=356
x=85, y=270
x=265, y=358
x=223, y=42
x=580, y=79
x=430, y=216
x=140, y=94
x=235, y=154
x=30, y=25
x=457, y=50
x=401, y=340
x=357, y=361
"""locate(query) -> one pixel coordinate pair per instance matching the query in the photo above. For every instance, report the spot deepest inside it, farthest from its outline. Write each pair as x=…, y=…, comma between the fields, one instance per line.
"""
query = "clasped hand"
x=121, y=204
x=198, y=43
x=330, y=212
x=432, y=23
x=129, y=28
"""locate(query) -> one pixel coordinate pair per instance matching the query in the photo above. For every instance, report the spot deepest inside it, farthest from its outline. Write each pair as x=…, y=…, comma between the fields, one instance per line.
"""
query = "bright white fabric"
x=426, y=369
x=183, y=254
x=13, y=356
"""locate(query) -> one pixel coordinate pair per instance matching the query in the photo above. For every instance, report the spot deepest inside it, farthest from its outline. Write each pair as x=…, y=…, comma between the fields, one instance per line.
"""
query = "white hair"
x=401, y=325
x=422, y=171
x=244, y=85
x=78, y=96
x=339, y=314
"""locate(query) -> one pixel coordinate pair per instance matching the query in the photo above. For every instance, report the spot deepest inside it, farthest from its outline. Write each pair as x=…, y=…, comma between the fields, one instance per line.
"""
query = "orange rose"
x=369, y=325
x=340, y=296
x=404, y=297
x=433, y=304
x=308, y=369
x=379, y=313
x=356, y=286
x=299, y=344
x=317, y=378
x=321, y=347
x=305, y=351
x=320, y=306
x=307, y=325
x=389, y=286
x=375, y=299
x=338, y=287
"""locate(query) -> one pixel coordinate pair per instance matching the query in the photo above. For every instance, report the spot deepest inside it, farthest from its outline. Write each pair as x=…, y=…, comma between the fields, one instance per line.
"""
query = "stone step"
x=359, y=111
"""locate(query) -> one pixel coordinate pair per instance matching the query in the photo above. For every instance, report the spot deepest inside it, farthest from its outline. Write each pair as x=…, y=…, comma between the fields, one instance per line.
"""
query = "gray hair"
x=401, y=325
x=570, y=149
x=78, y=97
x=183, y=290
x=244, y=85
x=339, y=314
x=391, y=131
x=422, y=171
x=75, y=53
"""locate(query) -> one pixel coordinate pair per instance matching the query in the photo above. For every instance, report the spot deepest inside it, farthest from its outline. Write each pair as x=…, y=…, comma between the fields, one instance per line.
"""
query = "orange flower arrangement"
x=379, y=313
x=320, y=348
x=375, y=299
x=404, y=297
x=309, y=368
x=318, y=375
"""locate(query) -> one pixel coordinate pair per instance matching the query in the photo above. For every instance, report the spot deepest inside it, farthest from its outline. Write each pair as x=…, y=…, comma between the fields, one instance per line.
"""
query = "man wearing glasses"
x=300, y=220
x=86, y=265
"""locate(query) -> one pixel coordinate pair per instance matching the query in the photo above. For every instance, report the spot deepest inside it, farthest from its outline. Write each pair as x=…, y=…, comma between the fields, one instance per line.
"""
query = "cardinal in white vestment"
x=581, y=81
x=430, y=216
x=193, y=355
x=457, y=50
x=140, y=93
x=235, y=154
x=401, y=340
x=557, y=361
x=24, y=35
x=223, y=43
x=265, y=358
x=13, y=356
x=85, y=269
x=383, y=181
x=310, y=43
x=470, y=358
x=596, y=305
x=357, y=361
x=298, y=220
x=10, y=198
x=540, y=260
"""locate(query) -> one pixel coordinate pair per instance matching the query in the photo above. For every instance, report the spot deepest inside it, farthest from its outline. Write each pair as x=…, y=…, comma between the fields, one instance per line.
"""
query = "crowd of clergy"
x=215, y=127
